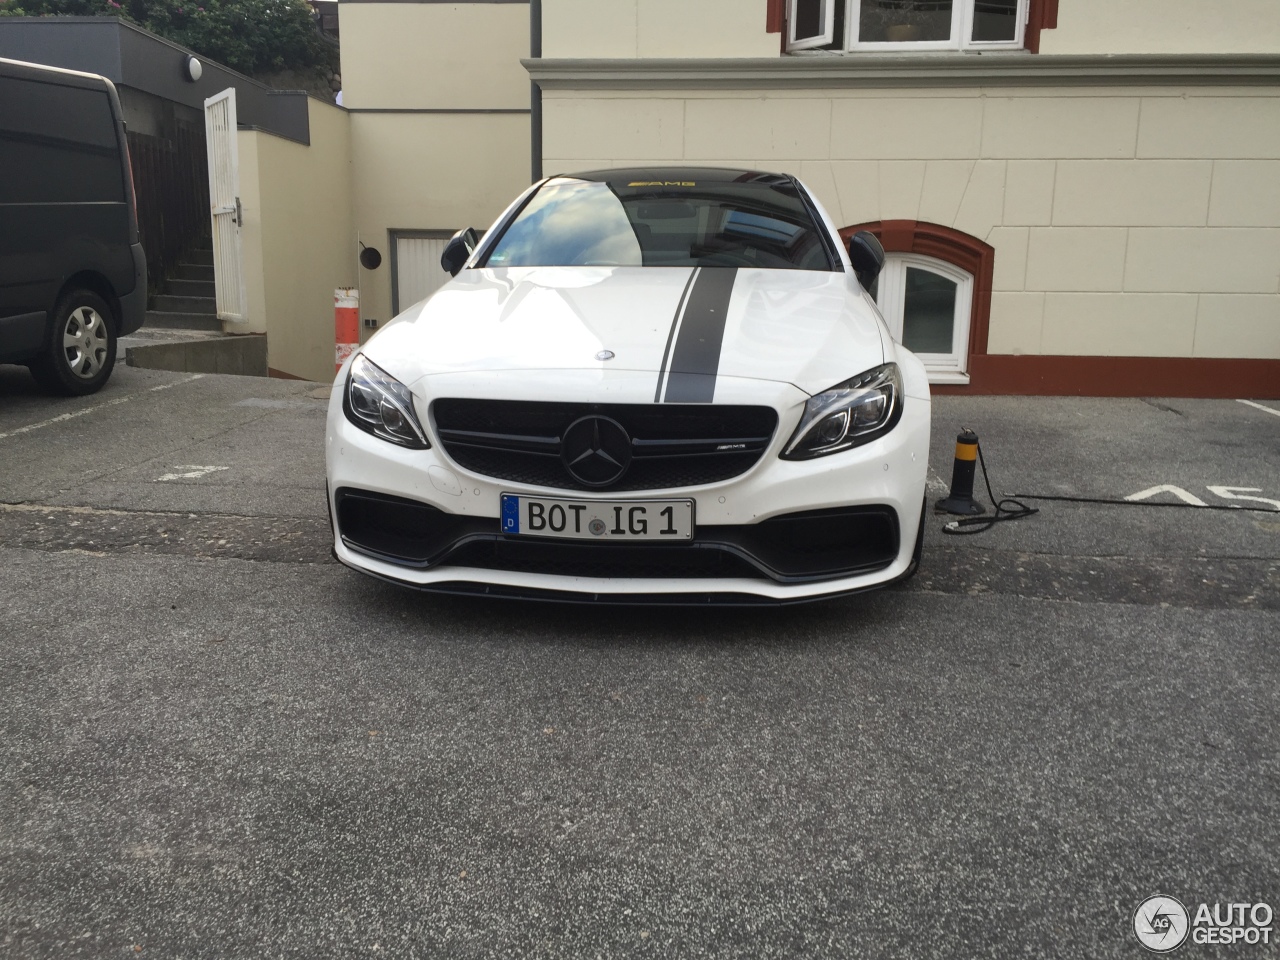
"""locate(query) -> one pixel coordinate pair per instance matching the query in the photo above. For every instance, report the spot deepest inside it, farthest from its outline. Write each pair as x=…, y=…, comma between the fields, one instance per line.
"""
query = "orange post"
x=346, y=324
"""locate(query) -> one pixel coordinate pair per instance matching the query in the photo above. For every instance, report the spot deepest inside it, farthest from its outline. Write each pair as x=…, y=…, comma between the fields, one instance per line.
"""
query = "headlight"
x=851, y=413
x=378, y=403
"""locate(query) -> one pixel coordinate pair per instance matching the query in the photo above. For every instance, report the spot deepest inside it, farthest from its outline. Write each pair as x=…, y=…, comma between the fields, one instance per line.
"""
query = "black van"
x=73, y=276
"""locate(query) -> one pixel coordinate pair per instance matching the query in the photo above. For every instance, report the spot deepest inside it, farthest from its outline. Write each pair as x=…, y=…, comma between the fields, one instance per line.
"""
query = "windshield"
x=721, y=224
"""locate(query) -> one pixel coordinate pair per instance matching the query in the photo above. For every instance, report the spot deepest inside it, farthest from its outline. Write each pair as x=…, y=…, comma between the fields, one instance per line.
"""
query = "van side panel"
x=21, y=336
x=64, y=199
x=41, y=245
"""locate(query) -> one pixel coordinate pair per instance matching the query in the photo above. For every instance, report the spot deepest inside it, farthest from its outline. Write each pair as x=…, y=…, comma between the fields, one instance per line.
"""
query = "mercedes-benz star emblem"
x=605, y=355
x=596, y=451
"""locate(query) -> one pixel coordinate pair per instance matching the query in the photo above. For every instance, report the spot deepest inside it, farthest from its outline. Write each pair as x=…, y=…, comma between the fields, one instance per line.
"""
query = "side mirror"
x=458, y=250
x=866, y=253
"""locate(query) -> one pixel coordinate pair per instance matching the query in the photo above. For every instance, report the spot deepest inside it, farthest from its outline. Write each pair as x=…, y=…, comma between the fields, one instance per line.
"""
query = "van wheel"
x=81, y=349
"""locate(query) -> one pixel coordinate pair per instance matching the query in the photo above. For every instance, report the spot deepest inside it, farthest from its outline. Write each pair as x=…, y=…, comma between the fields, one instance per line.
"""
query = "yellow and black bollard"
x=960, y=500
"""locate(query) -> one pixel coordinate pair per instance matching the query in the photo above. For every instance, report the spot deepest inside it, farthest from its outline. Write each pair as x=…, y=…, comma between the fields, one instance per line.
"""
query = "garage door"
x=417, y=266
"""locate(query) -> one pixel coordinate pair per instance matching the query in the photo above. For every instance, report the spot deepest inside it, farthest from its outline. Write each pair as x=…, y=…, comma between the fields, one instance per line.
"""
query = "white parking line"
x=1189, y=498
x=1270, y=410
x=62, y=417
x=193, y=472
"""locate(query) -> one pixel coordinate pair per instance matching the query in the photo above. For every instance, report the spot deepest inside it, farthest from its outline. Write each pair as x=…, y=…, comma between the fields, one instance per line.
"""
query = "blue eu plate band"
x=510, y=513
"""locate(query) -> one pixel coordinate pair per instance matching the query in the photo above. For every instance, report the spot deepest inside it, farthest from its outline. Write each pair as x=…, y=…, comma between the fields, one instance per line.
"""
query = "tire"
x=80, y=351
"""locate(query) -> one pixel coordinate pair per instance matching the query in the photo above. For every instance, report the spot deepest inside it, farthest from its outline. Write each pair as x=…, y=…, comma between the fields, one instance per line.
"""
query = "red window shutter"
x=1043, y=15
x=775, y=15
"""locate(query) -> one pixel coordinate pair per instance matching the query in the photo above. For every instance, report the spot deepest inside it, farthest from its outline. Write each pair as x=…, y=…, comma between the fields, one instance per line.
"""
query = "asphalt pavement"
x=217, y=742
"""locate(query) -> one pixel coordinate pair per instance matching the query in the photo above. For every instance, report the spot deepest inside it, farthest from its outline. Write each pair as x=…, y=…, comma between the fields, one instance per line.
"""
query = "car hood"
x=688, y=328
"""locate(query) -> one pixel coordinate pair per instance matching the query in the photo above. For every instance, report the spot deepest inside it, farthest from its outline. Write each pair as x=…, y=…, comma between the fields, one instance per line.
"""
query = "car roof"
x=38, y=71
x=658, y=175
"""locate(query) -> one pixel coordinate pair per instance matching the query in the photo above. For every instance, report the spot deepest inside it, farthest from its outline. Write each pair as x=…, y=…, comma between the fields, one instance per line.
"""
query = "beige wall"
x=444, y=160
x=299, y=239
x=251, y=214
x=431, y=172
x=434, y=55
x=1125, y=221
x=1165, y=26
x=655, y=28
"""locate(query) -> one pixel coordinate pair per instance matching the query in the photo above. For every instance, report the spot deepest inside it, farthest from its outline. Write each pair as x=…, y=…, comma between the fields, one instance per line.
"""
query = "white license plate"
x=670, y=520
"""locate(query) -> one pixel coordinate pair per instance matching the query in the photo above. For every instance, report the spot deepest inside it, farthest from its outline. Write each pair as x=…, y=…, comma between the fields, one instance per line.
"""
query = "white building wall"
x=440, y=121
x=298, y=238
x=1164, y=26
x=656, y=28
x=406, y=55
x=1126, y=222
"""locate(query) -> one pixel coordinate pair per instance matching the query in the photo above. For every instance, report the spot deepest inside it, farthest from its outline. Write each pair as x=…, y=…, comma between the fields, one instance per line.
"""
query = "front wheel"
x=81, y=349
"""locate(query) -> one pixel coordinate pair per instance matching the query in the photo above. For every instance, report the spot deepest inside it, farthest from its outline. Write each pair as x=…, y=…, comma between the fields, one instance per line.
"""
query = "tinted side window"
x=57, y=145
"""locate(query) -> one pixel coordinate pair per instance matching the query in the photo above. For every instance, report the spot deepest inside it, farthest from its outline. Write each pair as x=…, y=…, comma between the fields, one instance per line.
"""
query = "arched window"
x=935, y=293
x=927, y=303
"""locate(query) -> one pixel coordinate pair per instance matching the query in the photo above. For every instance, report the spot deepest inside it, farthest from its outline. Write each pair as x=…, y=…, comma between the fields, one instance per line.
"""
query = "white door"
x=224, y=205
x=417, y=266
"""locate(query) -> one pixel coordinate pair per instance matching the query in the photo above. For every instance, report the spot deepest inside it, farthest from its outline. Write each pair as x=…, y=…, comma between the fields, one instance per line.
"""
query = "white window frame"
x=891, y=299
x=962, y=18
x=826, y=15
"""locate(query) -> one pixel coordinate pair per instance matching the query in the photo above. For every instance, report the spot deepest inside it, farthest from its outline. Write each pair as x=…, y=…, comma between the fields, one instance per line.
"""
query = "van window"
x=57, y=145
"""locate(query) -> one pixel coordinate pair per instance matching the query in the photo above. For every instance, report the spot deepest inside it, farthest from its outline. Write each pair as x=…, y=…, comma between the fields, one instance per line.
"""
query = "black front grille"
x=793, y=548
x=673, y=445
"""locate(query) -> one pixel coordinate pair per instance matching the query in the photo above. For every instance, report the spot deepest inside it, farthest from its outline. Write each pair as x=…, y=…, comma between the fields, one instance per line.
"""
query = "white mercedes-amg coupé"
x=645, y=385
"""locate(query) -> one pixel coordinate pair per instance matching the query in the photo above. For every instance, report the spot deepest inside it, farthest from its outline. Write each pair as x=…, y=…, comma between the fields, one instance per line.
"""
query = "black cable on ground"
x=1144, y=503
x=971, y=525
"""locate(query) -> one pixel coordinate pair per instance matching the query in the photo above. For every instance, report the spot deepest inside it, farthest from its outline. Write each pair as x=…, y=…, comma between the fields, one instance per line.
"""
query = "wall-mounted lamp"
x=192, y=69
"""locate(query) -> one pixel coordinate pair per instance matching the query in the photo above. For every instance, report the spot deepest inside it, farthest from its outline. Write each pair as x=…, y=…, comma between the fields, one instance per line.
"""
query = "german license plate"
x=670, y=520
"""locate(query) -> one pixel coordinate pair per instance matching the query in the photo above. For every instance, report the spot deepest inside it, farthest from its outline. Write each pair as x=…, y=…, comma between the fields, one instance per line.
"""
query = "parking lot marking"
x=279, y=404
x=62, y=417
x=175, y=383
x=1234, y=493
x=193, y=472
x=1167, y=488
x=1270, y=410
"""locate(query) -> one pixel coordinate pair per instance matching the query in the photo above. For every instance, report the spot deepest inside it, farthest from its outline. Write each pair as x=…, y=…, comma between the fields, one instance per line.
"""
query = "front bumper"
x=784, y=531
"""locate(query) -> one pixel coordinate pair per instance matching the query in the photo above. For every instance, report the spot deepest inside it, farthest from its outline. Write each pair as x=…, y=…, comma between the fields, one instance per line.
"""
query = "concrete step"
x=174, y=320
x=203, y=256
x=190, y=288
x=167, y=303
x=187, y=352
x=195, y=271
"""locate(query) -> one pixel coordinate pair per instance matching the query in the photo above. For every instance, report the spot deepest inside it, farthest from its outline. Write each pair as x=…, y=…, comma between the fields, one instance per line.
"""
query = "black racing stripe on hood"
x=695, y=358
x=671, y=335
